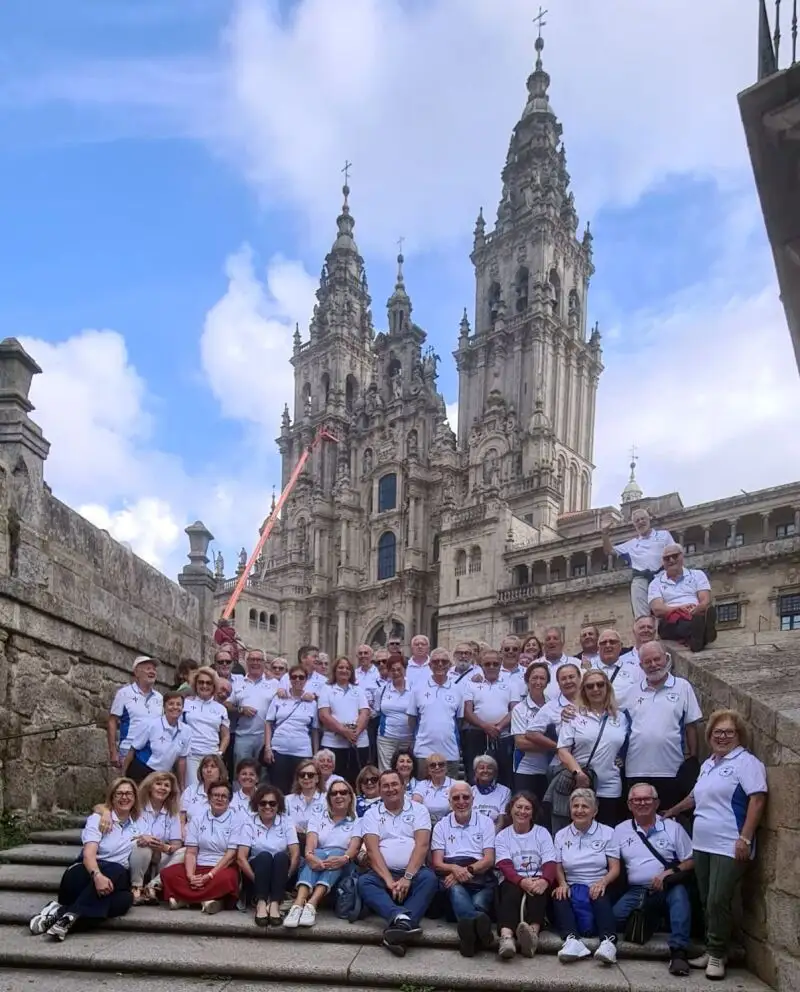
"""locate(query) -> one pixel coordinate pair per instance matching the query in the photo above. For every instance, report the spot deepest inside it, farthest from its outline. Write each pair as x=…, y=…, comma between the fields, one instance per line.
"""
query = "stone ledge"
x=13, y=980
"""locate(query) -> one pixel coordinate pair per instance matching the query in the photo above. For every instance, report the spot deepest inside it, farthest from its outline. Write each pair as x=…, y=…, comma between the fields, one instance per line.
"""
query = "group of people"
x=507, y=789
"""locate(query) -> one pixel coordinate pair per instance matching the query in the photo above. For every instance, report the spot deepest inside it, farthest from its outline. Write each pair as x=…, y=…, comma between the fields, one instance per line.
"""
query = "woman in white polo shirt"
x=491, y=797
x=207, y=718
x=391, y=706
x=462, y=855
x=267, y=854
x=208, y=875
x=403, y=763
x=332, y=842
x=593, y=740
x=292, y=730
x=194, y=799
x=306, y=797
x=525, y=856
x=728, y=800
x=97, y=886
x=434, y=792
x=546, y=724
x=531, y=760
x=161, y=833
x=344, y=714
x=587, y=862
x=160, y=744
x=247, y=774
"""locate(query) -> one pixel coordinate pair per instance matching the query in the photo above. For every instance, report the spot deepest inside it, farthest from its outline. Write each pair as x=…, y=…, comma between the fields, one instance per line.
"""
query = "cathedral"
x=404, y=527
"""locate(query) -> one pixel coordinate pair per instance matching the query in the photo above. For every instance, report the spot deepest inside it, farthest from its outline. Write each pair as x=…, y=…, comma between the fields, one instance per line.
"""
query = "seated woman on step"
x=267, y=853
x=208, y=874
x=98, y=885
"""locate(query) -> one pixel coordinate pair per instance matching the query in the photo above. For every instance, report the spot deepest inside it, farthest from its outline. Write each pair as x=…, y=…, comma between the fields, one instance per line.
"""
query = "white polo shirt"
x=315, y=682
x=159, y=745
x=438, y=709
x=552, y=689
x=240, y=803
x=463, y=840
x=527, y=852
x=393, y=712
x=580, y=735
x=134, y=709
x=194, y=801
x=257, y=695
x=395, y=831
x=435, y=798
x=300, y=811
x=332, y=833
x=205, y=717
x=212, y=836
x=117, y=843
x=667, y=836
x=292, y=722
x=681, y=591
x=416, y=673
x=643, y=554
x=161, y=825
x=522, y=719
x=368, y=680
x=492, y=803
x=514, y=679
x=631, y=658
x=626, y=680
x=584, y=856
x=262, y=839
x=721, y=796
x=659, y=718
x=492, y=701
x=345, y=705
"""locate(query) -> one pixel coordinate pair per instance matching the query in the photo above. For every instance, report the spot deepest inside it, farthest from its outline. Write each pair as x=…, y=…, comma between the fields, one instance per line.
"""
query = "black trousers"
x=474, y=742
x=281, y=771
x=77, y=893
x=509, y=901
x=272, y=876
x=537, y=784
x=610, y=811
x=138, y=770
x=350, y=761
x=372, y=732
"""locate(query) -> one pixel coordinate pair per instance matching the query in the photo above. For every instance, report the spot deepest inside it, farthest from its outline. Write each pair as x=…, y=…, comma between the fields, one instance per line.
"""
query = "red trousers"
x=175, y=884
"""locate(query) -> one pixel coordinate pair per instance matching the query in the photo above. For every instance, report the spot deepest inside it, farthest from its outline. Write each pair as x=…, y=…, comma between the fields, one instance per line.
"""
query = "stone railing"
x=467, y=516
x=763, y=684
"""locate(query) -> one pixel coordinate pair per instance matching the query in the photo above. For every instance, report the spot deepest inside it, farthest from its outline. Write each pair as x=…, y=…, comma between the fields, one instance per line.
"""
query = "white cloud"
x=451, y=410
x=247, y=337
x=148, y=527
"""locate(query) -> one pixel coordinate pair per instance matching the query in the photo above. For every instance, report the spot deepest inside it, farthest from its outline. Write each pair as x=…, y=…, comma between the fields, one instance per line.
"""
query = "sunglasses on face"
x=608, y=643
x=491, y=664
x=297, y=678
x=436, y=764
x=307, y=775
x=670, y=557
x=511, y=650
x=204, y=682
x=370, y=781
x=461, y=798
x=267, y=803
x=338, y=793
x=595, y=685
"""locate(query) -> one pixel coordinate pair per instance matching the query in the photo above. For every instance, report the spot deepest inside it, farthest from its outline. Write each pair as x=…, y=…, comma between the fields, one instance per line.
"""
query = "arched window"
x=326, y=387
x=436, y=545
x=262, y=620
x=253, y=618
x=494, y=301
x=555, y=291
x=520, y=575
x=387, y=556
x=461, y=563
x=521, y=289
x=307, y=398
x=273, y=621
x=475, y=559
x=350, y=392
x=387, y=492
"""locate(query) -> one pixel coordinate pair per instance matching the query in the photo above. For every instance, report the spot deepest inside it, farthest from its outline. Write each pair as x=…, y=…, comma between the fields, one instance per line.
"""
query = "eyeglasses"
x=370, y=781
x=267, y=803
x=339, y=792
x=491, y=664
x=204, y=682
x=723, y=733
x=363, y=654
x=607, y=643
x=308, y=775
x=642, y=801
x=125, y=795
x=437, y=764
x=674, y=557
x=297, y=678
x=461, y=798
x=511, y=650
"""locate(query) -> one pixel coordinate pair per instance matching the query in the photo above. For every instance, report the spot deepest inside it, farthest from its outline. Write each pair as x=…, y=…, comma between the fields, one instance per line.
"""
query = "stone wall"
x=763, y=684
x=75, y=608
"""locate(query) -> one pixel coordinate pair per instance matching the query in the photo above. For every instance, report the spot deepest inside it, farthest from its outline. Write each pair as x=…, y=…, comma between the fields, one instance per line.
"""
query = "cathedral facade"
x=404, y=527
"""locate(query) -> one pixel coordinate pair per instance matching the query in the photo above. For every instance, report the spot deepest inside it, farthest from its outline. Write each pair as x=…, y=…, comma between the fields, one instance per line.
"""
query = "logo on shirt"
x=408, y=818
x=727, y=771
x=598, y=845
x=673, y=697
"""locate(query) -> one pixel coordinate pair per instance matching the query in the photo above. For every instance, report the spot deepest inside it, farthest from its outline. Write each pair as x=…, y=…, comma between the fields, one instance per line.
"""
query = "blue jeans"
x=674, y=903
x=469, y=903
x=376, y=896
x=327, y=878
x=247, y=746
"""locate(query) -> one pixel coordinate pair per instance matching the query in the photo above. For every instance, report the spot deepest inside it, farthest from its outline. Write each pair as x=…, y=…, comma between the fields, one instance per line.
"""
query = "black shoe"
x=483, y=931
x=678, y=962
x=401, y=931
x=697, y=636
x=262, y=921
x=399, y=950
x=466, y=938
x=711, y=625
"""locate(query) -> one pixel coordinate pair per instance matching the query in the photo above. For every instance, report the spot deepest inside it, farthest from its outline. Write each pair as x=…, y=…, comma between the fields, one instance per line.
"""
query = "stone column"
x=341, y=632
x=706, y=537
x=315, y=629
x=733, y=523
x=797, y=521
x=344, y=539
x=610, y=563
x=568, y=567
x=317, y=551
x=547, y=570
x=197, y=579
x=765, y=526
x=588, y=563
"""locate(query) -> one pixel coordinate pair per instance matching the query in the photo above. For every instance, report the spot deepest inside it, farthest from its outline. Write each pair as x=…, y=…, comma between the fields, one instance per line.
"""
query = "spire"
x=480, y=230
x=464, y=328
x=538, y=84
x=296, y=339
x=632, y=491
x=399, y=303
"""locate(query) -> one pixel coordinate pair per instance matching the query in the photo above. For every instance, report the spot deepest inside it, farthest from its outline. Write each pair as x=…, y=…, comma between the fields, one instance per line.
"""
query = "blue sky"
x=171, y=182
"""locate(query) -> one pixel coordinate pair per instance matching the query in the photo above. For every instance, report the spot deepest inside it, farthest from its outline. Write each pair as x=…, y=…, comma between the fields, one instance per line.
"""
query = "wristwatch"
x=408, y=876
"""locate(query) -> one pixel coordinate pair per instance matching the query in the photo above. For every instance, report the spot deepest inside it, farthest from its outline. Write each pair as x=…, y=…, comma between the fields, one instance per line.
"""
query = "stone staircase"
x=186, y=951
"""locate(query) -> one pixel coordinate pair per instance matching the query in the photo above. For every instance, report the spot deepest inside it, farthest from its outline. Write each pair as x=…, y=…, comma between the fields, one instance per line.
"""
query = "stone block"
x=783, y=804
x=783, y=920
x=761, y=960
x=787, y=967
x=787, y=728
x=787, y=861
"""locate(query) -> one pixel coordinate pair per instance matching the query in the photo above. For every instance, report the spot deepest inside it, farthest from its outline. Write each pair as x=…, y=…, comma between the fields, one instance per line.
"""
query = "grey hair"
x=673, y=547
x=643, y=785
x=587, y=794
x=258, y=651
x=325, y=753
x=485, y=759
x=457, y=785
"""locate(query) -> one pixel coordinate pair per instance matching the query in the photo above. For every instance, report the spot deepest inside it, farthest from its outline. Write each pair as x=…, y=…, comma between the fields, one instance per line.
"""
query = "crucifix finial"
x=540, y=21
x=400, y=242
x=634, y=456
x=346, y=170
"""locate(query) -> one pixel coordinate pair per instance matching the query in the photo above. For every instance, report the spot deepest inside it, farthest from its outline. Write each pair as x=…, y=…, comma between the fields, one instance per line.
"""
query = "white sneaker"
x=292, y=919
x=715, y=969
x=308, y=917
x=607, y=951
x=45, y=918
x=573, y=950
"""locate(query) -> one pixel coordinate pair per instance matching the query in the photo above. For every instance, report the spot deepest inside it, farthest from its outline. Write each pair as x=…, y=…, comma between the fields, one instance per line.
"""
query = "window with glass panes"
x=789, y=611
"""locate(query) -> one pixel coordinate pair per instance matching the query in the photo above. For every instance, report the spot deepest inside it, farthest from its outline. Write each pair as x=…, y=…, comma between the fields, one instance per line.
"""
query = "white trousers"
x=142, y=858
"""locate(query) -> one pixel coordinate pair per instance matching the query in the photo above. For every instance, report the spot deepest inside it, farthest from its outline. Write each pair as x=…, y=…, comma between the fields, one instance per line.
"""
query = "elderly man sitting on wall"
x=680, y=598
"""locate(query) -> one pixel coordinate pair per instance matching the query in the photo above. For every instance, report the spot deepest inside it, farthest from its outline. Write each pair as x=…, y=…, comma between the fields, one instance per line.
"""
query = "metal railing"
x=55, y=731
x=771, y=30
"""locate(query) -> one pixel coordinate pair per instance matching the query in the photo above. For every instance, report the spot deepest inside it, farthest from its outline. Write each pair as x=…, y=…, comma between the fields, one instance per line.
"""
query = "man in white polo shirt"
x=648, y=871
x=399, y=886
x=680, y=598
x=623, y=678
x=251, y=698
x=642, y=554
x=644, y=630
x=664, y=715
x=418, y=667
x=553, y=648
x=435, y=706
x=134, y=706
x=487, y=718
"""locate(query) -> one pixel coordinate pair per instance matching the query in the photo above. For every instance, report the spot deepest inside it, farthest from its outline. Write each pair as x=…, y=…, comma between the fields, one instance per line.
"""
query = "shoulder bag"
x=563, y=784
x=679, y=876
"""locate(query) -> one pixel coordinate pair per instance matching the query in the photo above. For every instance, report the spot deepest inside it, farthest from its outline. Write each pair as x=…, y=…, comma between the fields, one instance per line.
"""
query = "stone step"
x=19, y=906
x=188, y=955
x=71, y=836
x=41, y=854
x=39, y=878
x=13, y=980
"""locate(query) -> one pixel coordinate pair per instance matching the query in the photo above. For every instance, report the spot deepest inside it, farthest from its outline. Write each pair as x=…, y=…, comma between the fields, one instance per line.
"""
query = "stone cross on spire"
x=540, y=21
x=346, y=170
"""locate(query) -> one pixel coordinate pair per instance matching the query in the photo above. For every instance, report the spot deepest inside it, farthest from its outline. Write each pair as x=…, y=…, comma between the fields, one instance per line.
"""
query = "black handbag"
x=640, y=925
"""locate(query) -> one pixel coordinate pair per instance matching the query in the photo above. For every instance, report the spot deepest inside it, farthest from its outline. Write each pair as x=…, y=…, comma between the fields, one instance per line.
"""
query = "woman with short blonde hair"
x=161, y=834
x=208, y=719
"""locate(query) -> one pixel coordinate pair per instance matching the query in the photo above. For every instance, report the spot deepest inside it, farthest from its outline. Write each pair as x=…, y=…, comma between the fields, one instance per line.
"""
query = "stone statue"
x=412, y=445
x=490, y=467
x=242, y=558
x=367, y=461
x=301, y=535
x=219, y=566
x=397, y=385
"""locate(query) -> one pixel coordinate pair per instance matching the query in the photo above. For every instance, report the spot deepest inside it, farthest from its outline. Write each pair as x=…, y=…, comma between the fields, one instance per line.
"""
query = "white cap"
x=141, y=659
